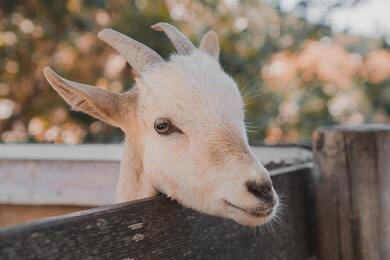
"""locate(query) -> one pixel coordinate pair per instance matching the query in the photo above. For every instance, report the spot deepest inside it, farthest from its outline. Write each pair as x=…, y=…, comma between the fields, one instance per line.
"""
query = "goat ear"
x=210, y=44
x=96, y=102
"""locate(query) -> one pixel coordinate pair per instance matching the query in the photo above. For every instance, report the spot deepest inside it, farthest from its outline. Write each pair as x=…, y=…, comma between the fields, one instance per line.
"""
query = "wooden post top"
x=357, y=128
x=353, y=192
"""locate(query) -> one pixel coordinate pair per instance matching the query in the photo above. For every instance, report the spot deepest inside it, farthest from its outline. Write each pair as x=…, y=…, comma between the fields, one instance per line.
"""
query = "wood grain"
x=352, y=192
x=161, y=229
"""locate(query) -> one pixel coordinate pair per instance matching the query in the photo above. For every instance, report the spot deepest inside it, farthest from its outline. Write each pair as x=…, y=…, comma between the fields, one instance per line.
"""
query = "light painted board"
x=39, y=174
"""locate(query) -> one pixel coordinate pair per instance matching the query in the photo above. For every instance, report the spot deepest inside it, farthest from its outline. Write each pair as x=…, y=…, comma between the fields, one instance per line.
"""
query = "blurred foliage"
x=295, y=76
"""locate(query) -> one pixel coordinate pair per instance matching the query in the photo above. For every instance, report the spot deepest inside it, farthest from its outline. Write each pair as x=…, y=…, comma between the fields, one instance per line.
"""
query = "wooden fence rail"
x=158, y=228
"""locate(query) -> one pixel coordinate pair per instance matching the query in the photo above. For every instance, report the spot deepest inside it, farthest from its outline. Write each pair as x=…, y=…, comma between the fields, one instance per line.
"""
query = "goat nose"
x=262, y=191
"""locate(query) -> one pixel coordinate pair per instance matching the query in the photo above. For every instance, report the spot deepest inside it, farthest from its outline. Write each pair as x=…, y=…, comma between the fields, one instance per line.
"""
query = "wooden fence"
x=338, y=211
x=353, y=192
x=161, y=229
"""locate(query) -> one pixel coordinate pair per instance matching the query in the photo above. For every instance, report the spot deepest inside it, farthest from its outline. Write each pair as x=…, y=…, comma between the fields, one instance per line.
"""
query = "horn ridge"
x=138, y=55
x=182, y=44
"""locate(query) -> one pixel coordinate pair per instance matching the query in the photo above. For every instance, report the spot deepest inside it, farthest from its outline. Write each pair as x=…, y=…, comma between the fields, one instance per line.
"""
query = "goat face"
x=185, y=116
x=200, y=156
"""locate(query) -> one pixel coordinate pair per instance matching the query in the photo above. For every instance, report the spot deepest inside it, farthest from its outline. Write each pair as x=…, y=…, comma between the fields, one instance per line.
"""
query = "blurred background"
x=300, y=64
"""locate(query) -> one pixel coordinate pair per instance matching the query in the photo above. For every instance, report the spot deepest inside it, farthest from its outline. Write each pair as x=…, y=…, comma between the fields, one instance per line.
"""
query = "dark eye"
x=163, y=126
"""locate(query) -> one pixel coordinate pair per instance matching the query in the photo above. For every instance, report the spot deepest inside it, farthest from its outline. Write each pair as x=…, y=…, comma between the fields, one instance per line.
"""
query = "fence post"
x=352, y=180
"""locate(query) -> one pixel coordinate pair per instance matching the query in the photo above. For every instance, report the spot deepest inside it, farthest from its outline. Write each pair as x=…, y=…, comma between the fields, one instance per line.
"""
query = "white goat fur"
x=208, y=162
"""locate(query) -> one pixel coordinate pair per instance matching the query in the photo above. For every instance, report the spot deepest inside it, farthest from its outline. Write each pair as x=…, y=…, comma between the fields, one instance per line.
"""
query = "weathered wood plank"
x=352, y=192
x=161, y=229
x=383, y=168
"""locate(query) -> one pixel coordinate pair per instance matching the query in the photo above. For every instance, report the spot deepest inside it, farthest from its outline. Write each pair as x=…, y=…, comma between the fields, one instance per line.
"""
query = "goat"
x=184, y=127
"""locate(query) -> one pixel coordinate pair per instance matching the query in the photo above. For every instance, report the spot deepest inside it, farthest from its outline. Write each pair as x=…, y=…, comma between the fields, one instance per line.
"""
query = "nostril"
x=262, y=191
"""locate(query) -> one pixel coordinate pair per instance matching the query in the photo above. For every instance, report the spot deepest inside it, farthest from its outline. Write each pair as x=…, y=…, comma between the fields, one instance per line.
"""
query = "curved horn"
x=182, y=44
x=137, y=55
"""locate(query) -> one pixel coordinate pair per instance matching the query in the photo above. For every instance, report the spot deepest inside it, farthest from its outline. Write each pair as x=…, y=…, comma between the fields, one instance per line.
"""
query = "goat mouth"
x=253, y=213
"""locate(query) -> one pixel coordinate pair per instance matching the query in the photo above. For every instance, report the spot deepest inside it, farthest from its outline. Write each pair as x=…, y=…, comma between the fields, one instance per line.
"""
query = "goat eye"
x=163, y=126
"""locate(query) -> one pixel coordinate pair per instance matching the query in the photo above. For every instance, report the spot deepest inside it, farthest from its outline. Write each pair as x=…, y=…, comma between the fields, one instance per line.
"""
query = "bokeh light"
x=299, y=75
